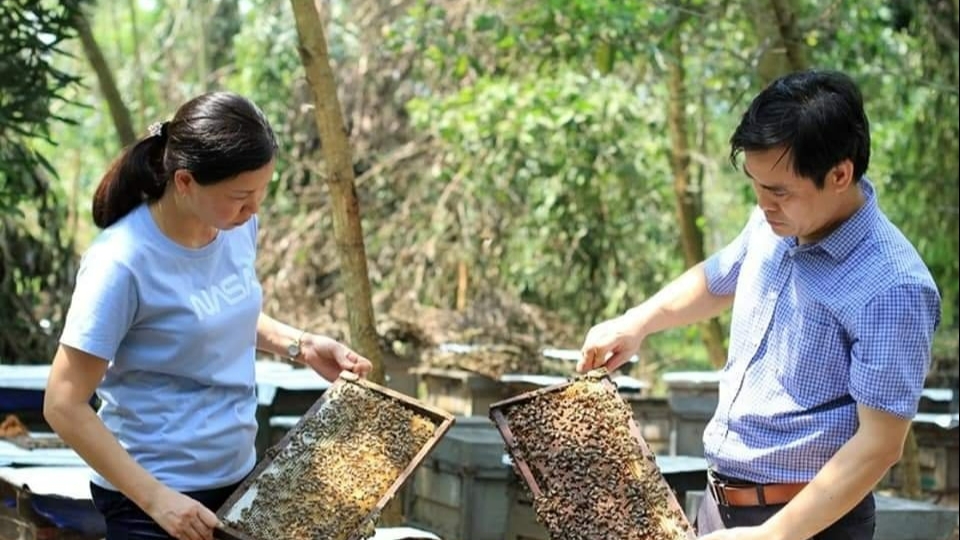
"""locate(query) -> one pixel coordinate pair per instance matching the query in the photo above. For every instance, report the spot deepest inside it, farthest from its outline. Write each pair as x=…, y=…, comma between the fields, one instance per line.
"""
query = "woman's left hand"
x=329, y=357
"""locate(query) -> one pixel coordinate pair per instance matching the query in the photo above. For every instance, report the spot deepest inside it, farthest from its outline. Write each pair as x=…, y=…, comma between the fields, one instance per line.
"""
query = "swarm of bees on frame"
x=595, y=480
x=327, y=481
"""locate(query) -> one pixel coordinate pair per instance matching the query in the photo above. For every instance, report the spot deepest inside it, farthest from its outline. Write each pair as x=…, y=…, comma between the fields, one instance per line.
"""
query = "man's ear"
x=840, y=177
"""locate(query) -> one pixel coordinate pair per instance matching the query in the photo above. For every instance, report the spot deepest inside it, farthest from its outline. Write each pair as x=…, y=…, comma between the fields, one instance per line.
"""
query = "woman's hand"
x=740, y=533
x=182, y=517
x=328, y=357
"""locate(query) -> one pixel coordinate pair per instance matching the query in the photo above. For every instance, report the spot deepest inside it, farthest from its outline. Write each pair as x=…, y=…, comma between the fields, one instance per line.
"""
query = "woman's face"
x=226, y=204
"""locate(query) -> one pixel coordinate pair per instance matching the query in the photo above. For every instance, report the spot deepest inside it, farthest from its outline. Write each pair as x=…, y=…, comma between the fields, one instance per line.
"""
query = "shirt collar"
x=839, y=243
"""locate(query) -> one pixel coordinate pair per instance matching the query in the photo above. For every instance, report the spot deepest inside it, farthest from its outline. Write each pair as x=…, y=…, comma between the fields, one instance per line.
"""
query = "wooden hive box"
x=457, y=391
x=588, y=469
x=333, y=473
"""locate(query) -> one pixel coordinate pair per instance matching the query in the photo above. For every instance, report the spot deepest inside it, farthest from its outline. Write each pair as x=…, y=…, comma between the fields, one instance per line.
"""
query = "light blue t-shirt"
x=178, y=326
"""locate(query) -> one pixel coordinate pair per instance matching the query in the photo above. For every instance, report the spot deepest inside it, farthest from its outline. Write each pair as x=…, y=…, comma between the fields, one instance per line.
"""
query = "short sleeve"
x=102, y=308
x=722, y=269
x=891, y=348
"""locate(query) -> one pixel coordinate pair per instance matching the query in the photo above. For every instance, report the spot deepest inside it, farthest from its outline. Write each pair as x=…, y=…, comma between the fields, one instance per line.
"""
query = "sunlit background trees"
x=570, y=155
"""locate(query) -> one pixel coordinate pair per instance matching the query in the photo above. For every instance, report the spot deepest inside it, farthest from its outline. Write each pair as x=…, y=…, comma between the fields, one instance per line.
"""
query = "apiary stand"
x=938, y=444
x=457, y=391
x=693, y=397
x=654, y=420
x=460, y=492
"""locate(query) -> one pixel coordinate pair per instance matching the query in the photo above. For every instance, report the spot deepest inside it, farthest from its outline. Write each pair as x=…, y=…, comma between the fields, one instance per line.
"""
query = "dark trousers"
x=126, y=521
x=858, y=524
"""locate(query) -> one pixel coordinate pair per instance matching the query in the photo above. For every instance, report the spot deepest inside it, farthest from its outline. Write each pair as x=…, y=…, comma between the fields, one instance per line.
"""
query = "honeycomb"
x=595, y=479
x=331, y=476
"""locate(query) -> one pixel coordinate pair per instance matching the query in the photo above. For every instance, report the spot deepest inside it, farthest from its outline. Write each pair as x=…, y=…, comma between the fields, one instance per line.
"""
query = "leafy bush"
x=562, y=184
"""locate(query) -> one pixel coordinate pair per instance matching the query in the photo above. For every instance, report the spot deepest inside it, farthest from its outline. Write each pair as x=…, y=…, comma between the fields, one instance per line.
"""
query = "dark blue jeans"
x=858, y=524
x=126, y=521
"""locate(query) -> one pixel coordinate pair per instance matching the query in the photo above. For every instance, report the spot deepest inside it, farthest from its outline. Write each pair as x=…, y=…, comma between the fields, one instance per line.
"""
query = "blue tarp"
x=74, y=514
x=19, y=399
x=61, y=494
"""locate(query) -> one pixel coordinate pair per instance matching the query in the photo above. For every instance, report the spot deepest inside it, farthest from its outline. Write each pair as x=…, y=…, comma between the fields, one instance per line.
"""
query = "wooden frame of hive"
x=499, y=415
x=442, y=420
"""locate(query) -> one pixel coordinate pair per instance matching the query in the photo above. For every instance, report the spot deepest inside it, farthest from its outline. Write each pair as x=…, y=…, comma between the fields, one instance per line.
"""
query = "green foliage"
x=268, y=32
x=920, y=190
x=567, y=176
x=31, y=34
x=508, y=37
x=34, y=255
x=911, y=95
x=595, y=32
x=552, y=176
x=880, y=42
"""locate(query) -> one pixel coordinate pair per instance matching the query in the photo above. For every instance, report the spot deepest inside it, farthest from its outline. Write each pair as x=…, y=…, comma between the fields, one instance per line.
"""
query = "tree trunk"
x=225, y=24
x=338, y=156
x=118, y=110
x=138, y=63
x=775, y=22
x=347, y=228
x=786, y=13
x=689, y=206
x=604, y=56
x=201, y=37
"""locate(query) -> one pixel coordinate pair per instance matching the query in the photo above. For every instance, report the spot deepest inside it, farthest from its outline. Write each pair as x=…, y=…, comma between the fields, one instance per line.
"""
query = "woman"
x=165, y=320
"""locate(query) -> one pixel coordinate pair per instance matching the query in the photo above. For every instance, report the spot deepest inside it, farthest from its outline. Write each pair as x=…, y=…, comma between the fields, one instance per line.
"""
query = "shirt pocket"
x=816, y=360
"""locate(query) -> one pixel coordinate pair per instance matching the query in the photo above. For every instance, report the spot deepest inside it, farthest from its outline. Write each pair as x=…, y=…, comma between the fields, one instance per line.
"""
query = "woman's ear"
x=183, y=181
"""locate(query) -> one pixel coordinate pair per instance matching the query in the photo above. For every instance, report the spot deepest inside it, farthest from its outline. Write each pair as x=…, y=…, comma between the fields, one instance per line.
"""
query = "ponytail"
x=136, y=176
x=215, y=136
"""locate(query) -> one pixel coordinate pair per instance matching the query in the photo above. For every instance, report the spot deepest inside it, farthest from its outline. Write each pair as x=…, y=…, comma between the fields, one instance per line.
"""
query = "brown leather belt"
x=727, y=494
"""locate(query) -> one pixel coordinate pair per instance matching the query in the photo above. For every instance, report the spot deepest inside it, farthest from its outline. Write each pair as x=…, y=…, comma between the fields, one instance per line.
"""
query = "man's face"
x=792, y=204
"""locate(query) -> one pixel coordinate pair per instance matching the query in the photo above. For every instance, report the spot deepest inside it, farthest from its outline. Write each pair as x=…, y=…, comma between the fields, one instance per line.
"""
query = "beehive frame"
x=499, y=413
x=441, y=419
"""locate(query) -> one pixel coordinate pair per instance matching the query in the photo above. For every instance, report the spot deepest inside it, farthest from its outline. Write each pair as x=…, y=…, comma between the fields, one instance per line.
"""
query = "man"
x=831, y=330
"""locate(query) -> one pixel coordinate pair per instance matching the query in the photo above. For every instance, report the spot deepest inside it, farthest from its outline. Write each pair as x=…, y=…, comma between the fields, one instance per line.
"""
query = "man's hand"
x=610, y=344
x=329, y=357
x=182, y=517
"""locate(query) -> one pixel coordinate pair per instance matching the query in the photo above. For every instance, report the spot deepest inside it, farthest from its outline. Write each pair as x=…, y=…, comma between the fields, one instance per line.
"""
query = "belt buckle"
x=716, y=489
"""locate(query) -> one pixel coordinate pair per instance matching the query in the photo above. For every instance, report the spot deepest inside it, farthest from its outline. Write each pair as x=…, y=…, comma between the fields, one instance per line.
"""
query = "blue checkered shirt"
x=816, y=329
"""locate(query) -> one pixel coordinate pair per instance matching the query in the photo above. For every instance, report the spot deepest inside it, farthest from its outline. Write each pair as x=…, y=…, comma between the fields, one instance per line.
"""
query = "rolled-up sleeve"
x=891, y=348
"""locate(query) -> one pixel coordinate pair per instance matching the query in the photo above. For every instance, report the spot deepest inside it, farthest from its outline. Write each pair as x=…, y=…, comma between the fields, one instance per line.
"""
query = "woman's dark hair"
x=215, y=136
x=817, y=117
